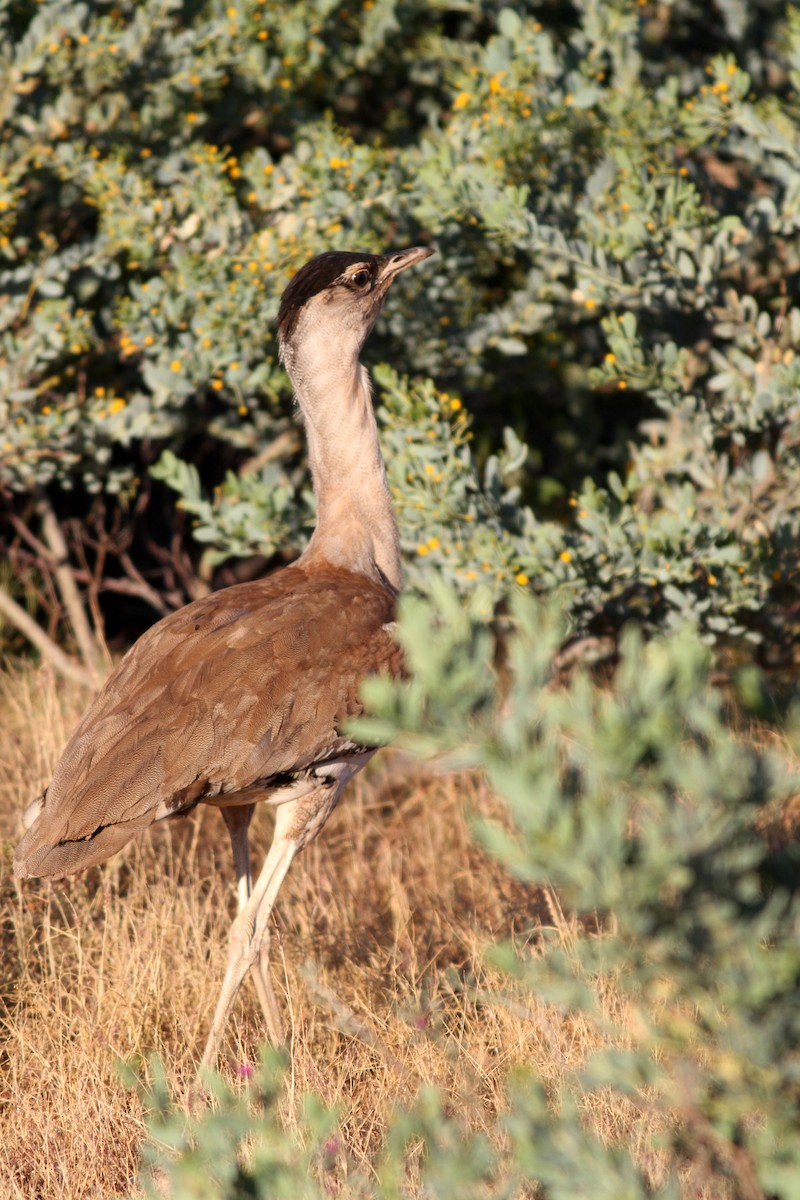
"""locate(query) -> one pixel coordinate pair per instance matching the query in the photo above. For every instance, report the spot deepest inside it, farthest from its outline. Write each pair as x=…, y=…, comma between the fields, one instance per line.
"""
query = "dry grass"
x=379, y=931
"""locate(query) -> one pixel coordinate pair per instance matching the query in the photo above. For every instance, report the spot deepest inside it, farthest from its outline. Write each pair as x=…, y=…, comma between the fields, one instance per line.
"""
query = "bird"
x=243, y=696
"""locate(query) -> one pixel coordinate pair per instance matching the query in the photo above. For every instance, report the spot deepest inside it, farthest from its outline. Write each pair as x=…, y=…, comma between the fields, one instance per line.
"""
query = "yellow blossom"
x=565, y=556
x=521, y=578
x=455, y=404
x=712, y=579
x=433, y=543
x=461, y=100
x=422, y=550
x=176, y=365
x=217, y=385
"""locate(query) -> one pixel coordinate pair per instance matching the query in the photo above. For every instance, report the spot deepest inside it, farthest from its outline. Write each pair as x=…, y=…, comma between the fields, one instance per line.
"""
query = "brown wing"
x=247, y=685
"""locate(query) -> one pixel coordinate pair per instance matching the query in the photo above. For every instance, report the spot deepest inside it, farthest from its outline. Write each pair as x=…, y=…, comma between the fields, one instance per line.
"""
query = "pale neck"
x=356, y=526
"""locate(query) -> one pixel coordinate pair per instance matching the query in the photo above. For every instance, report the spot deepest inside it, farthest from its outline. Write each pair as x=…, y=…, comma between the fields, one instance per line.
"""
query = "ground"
x=377, y=960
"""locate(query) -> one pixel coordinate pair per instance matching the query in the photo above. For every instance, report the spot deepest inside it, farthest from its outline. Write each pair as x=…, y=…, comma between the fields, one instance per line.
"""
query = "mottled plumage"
x=206, y=706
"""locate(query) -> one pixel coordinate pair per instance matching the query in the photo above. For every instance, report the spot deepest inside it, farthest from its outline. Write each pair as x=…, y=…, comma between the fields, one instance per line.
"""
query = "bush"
x=639, y=805
x=613, y=191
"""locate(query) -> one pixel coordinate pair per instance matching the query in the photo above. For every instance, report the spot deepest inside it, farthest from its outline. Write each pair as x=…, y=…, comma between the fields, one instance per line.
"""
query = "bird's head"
x=331, y=305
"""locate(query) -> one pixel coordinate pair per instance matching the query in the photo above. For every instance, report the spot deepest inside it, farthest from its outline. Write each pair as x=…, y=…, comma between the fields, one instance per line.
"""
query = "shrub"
x=612, y=189
x=639, y=805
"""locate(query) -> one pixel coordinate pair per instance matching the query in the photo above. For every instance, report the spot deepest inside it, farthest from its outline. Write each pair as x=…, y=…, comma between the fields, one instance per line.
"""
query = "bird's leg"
x=251, y=926
x=237, y=819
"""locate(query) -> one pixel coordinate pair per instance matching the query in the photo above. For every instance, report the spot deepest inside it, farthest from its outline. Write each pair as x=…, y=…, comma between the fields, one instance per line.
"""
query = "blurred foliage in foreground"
x=614, y=191
x=641, y=807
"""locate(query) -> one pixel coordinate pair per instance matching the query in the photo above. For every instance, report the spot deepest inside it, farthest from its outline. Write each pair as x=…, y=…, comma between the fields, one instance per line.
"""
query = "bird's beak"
x=393, y=263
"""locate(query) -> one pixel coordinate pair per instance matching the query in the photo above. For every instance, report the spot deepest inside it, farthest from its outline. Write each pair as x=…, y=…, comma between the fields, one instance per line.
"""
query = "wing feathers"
x=249, y=683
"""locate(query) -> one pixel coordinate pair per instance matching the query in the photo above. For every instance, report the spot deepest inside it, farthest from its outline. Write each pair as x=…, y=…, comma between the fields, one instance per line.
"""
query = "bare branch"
x=17, y=616
x=65, y=578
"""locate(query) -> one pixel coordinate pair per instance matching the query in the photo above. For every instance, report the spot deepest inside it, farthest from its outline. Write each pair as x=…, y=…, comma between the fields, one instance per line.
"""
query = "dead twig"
x=17, y=616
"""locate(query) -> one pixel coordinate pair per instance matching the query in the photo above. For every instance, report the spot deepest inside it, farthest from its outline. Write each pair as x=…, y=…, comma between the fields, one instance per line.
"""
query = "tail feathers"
x=36, y=857
x=33, y=810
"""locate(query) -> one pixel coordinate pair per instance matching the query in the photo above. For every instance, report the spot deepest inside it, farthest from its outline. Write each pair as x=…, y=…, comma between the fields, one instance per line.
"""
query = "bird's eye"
x=361, y=278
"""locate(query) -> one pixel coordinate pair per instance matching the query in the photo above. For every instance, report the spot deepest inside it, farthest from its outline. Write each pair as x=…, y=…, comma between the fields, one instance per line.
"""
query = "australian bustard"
x=242, y=696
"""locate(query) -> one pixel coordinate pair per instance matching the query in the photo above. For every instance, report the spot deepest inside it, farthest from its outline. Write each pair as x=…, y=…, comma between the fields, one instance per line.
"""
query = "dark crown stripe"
x=314, y=277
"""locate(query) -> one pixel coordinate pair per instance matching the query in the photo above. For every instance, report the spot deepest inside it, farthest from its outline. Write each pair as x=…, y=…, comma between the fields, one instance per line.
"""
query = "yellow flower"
x=422, y=550
x=148, y=340
x=610, y=358
x=234, y=366
x=521, y=578
x=336, y=163
x=176, y=365
x=430, y=469
x=262, y=35
x=565, y=556
x=99, y=391
x=433, y=543
x=712, y=579
x=217, y=385
x=242, y=410
x=46, y=410
x=455, y=404
x=117, y=405
x=461, y=100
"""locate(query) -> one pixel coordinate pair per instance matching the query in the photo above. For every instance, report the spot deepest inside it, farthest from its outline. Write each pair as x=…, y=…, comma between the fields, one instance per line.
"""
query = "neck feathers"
x=356, y=526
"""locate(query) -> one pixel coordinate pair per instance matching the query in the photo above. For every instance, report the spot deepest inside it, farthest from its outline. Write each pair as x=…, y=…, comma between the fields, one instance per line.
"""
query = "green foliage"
x=640, y=806
x=613, y=189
